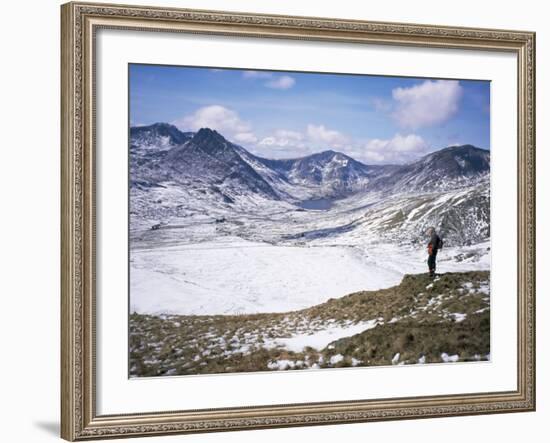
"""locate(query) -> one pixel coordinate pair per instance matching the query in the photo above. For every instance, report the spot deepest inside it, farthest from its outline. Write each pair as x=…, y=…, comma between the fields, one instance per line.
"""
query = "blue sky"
x=279, y=114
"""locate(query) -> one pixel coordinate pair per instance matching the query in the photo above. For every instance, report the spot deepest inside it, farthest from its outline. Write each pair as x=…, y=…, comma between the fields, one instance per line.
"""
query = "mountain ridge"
x=326, y=174
x=182, y=137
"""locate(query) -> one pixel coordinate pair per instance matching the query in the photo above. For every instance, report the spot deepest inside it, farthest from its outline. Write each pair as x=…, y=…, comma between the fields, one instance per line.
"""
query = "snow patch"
x=449, y=358
x=280, y=365
x=320, y=339
x=458, y=317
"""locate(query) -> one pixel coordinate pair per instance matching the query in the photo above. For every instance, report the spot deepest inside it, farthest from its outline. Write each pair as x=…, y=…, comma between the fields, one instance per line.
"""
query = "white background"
x=29, y=226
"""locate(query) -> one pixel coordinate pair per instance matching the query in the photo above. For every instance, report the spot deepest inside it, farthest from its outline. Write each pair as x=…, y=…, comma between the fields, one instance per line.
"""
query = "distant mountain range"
x=188, y=178
x=161, y=152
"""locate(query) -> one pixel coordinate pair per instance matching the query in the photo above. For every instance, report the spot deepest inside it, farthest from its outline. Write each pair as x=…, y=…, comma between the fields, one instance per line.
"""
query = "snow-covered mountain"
x=161, y=152
x=204, y=160
x=178, y=176
x=159, y=136
x=333, y=173
x=450, y=168
x=462, y=216
x=211, y=157
x=330, y=174
x=234, y=171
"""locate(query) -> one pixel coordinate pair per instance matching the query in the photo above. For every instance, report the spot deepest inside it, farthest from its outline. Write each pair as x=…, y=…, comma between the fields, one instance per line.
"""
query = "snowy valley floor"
x=231, y=275
x=418, y=320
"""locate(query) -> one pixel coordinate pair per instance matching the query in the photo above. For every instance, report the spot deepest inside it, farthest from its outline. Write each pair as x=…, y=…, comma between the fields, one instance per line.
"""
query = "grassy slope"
x=419, y=319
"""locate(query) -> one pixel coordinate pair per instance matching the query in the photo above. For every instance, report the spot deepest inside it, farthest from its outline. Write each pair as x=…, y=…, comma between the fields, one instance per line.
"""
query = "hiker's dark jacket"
x=433, y=244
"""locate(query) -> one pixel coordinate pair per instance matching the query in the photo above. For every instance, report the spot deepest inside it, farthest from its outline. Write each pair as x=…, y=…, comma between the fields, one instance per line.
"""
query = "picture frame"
x=80, y=23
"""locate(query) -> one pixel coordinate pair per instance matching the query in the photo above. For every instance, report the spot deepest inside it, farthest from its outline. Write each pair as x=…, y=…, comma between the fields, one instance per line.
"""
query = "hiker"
x=434, y=245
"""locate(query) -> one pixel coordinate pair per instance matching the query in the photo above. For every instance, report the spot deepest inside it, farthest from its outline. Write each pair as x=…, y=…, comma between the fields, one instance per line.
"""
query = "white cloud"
x=274, y=81
x=399, y=143
x=292, y=135
x=372, y=156
x=428, y=104
x=222, y=119
x=257, y=74
x=323, y=135
x=283, y=82
x=398, y=149
x=284, y=138
x=284, y=143
x=290, y=143
x=302, y=143
x=245, y=137
x=269, y=141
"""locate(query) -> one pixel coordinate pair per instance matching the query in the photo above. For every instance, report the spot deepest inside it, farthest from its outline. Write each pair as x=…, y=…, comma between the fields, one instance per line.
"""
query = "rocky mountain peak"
x=207, y=136
x=459, y=160
x=159, y=134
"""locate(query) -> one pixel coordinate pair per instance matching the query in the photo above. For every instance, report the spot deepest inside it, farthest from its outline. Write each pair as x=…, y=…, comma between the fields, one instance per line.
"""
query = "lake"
x=319, y=204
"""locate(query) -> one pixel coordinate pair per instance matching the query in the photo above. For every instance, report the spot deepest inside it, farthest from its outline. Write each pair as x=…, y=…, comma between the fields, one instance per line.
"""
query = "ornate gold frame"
x=79, y=22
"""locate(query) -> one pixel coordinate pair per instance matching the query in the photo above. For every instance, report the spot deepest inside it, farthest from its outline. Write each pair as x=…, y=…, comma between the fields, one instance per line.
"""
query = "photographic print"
x=306, y=221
